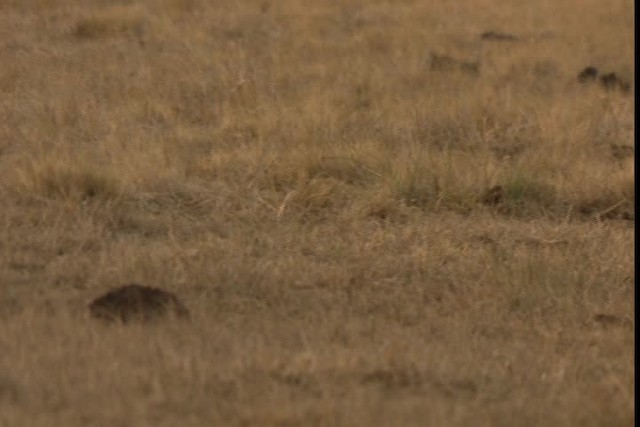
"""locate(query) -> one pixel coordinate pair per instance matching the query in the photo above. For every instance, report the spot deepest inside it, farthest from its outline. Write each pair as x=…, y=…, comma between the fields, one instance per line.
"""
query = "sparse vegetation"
x=377, y=213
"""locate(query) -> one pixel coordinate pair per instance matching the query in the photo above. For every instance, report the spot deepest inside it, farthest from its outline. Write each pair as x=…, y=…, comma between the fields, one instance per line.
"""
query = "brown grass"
x=318, y=193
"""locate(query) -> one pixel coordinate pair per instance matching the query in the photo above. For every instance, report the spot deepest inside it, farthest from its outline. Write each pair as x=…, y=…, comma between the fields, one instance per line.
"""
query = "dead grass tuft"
x=77, y=182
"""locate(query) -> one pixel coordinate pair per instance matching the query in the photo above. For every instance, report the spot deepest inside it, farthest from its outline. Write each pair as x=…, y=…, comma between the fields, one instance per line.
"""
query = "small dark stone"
x=497, y=36
x=136, y=303
x=588, y=74
x=493, y=196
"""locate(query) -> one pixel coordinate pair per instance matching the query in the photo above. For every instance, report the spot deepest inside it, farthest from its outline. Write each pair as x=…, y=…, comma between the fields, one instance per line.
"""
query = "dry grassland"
x=375, y=216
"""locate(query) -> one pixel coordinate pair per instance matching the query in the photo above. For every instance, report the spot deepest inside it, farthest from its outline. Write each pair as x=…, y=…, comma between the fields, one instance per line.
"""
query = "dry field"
x=375, y=215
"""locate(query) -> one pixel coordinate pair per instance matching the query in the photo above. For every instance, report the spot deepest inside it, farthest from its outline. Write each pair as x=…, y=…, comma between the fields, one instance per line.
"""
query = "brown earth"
x=317, y=195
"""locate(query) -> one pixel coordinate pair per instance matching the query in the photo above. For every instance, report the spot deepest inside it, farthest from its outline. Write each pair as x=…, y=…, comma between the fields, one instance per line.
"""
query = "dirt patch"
x=136, y=303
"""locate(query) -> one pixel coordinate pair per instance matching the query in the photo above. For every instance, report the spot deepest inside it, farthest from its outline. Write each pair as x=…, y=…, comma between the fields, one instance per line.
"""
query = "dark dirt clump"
x=136, y=303
x=589, y=74
x=611, y=82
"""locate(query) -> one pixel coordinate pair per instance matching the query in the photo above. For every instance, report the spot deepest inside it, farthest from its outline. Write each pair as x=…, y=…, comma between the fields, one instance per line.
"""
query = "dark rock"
x=136, y=303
